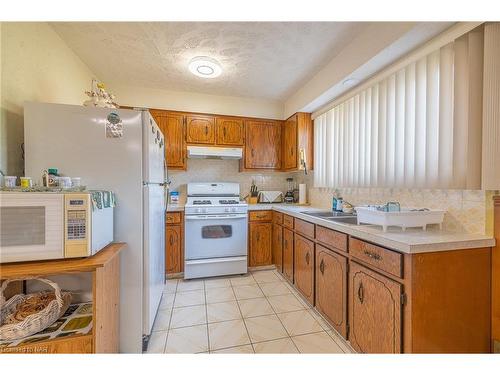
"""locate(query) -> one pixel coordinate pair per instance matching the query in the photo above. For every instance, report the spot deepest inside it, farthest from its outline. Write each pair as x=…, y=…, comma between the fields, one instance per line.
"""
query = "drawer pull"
x=322, y=267
x=307, y=258
x=372, y=255
x=224, y=131
x=206, y=129
x=361, y=293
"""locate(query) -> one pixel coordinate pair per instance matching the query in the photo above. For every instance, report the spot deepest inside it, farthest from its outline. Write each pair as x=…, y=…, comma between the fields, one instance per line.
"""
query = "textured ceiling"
x=267, y=60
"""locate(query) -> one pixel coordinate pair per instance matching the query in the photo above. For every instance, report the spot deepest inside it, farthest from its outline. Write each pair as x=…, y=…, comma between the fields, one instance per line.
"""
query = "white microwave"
x=46, y=225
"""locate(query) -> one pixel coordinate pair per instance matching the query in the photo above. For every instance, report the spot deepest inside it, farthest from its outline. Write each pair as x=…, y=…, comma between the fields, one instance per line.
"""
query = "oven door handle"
x=216, y=217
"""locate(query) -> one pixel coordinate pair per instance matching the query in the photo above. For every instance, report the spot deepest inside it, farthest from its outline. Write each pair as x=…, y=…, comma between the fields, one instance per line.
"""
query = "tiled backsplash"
x=209, y=170
x=467, y=210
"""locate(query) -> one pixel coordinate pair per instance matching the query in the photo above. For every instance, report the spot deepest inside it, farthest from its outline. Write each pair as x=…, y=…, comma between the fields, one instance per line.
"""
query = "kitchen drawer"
x=277, y=218
x=173, y=218
x=304, y=227
x=288, y=221
x=260, y=215
x=331, y=238
x=379, y=257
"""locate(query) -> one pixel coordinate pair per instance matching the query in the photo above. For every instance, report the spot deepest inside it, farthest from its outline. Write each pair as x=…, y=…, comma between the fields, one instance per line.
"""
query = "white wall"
x=36, y=66
x=196, y=102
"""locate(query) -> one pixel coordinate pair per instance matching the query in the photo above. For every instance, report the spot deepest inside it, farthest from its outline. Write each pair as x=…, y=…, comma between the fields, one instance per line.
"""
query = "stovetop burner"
x=202, y=202
x=228, y=201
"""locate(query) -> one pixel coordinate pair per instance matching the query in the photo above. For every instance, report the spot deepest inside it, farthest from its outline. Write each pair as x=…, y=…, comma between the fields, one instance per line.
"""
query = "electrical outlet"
x=496, y=346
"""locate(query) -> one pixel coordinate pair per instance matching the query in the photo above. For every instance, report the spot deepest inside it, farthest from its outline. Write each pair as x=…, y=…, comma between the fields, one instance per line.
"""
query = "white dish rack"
x=406, y=218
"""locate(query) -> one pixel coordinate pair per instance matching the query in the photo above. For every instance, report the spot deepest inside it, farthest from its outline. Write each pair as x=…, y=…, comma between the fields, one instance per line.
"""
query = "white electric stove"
x=216, y=230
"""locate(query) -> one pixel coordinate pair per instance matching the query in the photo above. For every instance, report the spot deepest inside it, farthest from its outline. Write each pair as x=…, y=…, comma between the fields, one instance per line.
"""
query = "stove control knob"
x=204, y=210
x=227, y=209
x=198, y=210
x=233, y=209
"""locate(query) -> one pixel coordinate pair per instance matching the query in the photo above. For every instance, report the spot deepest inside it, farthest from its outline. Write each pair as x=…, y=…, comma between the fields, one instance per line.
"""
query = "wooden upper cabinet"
x=230, y=131
x=288, y=254
x=260, y=244
x=331, y=287
x=172, y=127
x=374, y=311
x=278, y=246
x=298, y=135
x=262, y=144
x=200, y=129
x=290, y=158
x=304, y=266
x=173, y=249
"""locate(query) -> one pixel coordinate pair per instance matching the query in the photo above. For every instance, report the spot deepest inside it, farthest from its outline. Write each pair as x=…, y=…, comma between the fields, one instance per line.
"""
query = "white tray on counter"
x=406, y=218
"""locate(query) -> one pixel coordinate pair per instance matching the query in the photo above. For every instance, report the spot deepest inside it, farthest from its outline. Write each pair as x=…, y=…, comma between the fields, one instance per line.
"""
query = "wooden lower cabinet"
x=260, y=245
x=174, y=254
x=331, y=288
x=374, y=311
x=278, y=247
x=288, y=254
x=303, y=273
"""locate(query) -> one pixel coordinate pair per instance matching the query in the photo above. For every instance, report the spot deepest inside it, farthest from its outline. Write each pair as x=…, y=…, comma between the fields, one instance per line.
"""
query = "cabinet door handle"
x=322, y=267
x=253, y=153
x=171, y=241
x=307, y=258
x=258, y=237
x=372, y=255
x=291, y=150
x=361, y=293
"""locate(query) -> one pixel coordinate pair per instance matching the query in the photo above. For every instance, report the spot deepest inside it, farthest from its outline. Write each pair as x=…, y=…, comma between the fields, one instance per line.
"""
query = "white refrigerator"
x=124, y=151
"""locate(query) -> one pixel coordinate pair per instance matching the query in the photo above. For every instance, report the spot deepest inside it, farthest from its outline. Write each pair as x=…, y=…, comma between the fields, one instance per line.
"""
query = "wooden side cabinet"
x=262, y=144
x=288, y=254
x=278, y=247
x=331, y=287
x=260, y=238
x=298, y=135
x=304, y=266
x=374, y=311
x=200, y=129
x=172, y=127
x=174, y=244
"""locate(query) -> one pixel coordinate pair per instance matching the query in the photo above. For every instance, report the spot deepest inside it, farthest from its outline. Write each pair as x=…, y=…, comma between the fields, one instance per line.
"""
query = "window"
x=416, y=127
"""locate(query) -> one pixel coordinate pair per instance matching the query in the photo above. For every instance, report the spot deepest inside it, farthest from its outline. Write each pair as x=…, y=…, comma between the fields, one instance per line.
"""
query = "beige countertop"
x=175, y=207
x=411, y=241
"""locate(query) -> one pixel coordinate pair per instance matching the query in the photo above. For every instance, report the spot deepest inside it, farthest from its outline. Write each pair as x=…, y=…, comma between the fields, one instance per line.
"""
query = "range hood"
x=200, y=152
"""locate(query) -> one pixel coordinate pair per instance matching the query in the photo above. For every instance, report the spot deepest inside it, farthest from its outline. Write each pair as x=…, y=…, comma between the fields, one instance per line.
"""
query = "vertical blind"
x=413, y=128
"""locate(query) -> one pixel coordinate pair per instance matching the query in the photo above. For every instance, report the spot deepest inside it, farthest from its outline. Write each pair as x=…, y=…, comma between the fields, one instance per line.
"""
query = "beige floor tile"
x=243, y=280
x=170, y=286
x=341, y=342
x=285, y=303
x=265, y=276
x=188, y=316
x=274, y=289
x=187, y=285
x=220, y=295
x=227, y=334
x=187, y=340
x=220, y=312
x=265, y=328
x=157, y=342
x=247, y=291
x=279, y=275
x=167, y=301
x=162, y=320
x=255, y=307
x=191, y=298
x=284, y=345
x=217, y=283
x=322, y=321
x=319, y=342
x=244, y=349
x=299, y=322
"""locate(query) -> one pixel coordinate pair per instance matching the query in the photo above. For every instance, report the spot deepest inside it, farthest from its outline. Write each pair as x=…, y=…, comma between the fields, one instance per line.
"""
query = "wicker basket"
x=36, y=322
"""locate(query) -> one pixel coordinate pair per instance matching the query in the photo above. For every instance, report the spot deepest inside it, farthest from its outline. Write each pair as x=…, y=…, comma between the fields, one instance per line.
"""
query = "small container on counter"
x=26, y=182
x=76, y=182
x=174, y=197
x=9, y=181
x=64, y=182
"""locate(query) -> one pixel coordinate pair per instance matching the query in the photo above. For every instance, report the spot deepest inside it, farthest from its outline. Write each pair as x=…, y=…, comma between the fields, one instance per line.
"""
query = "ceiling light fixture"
x=350, y=81
x=205, y=67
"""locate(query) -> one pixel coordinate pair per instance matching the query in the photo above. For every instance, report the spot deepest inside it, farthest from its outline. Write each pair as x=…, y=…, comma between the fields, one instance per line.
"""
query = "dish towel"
x=102, y=199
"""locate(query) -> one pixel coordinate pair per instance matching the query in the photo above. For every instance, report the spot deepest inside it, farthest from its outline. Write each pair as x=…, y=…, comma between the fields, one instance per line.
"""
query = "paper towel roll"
x=302, y=194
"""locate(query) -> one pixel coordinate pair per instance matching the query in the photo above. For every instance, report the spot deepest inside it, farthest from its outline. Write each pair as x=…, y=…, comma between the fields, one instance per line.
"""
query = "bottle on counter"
x=52, y=177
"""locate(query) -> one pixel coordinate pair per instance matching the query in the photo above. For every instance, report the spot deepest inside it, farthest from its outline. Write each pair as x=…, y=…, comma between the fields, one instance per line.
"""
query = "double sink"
x=338, y=217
